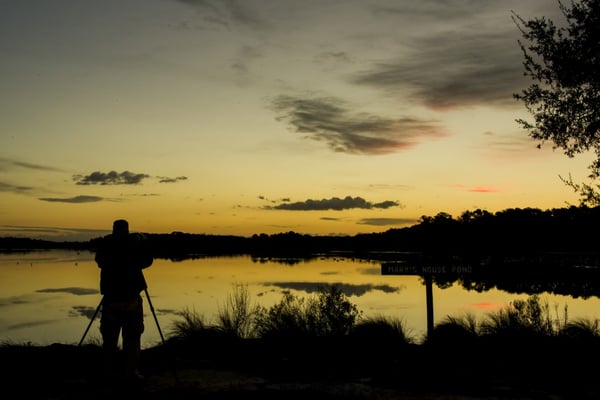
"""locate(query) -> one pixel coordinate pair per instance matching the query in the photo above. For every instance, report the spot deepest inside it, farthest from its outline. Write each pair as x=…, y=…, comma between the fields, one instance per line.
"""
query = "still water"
x=49, y=296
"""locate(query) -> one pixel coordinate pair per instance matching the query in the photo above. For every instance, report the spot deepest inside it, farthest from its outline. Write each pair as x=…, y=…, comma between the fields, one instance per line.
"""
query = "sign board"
x=391, y=268
x=426, y=271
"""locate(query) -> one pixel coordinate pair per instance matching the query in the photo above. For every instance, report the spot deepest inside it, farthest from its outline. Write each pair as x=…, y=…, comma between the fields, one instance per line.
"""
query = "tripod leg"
x=154, y=315
x=91, y=321
x=159, y=331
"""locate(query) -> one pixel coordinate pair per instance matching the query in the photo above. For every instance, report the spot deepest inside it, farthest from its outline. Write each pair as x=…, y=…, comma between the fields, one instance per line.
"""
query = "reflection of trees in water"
x=348, y=289
x=282, y=260
x=526, y=277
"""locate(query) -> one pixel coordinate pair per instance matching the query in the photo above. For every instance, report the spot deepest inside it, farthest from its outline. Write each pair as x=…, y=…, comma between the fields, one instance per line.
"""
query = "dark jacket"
x=121, y=261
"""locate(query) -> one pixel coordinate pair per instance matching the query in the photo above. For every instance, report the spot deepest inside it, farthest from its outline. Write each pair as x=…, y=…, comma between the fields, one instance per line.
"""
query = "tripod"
x=100, y=306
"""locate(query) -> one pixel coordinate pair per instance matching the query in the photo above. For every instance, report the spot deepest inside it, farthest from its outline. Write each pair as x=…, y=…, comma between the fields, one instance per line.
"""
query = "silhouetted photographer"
x=122, y=256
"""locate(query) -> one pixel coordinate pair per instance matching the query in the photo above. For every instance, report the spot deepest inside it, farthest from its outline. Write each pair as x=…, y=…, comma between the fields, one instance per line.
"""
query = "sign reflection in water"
x=50, y=296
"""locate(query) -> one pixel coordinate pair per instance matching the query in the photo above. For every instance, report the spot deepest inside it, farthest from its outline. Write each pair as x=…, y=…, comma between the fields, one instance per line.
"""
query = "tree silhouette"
x=564, y=64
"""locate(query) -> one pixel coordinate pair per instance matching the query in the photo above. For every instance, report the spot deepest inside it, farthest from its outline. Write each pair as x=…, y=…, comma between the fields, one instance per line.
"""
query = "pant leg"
x=133, y=327
x=110, y=328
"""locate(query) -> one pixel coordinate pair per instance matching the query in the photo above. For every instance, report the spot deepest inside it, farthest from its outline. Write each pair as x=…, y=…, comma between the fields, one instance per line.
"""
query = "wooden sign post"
x=427, y=272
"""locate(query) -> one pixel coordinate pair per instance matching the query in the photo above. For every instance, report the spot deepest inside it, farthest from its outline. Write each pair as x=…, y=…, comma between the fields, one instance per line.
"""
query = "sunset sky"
x=242, y=117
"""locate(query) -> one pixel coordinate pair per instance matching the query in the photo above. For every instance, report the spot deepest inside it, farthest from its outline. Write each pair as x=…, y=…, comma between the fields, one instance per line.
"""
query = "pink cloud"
x=483, y=189
x=477, y=189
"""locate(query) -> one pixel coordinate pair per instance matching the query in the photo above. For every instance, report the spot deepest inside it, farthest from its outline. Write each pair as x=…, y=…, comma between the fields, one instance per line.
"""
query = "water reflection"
x=50, y=296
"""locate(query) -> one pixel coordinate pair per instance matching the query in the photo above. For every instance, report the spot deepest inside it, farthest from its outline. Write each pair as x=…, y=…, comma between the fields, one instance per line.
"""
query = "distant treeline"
x=515, y=250
x=477, y=234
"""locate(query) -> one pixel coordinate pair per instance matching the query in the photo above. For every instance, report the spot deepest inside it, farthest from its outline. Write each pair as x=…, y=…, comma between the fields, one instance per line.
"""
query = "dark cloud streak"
x=76, y=199
x=5, y=163
x=344, y=130
x=165, y=179
x=120, y=178
x=7, y=187
x=52, y=232
x=387, y=221
x=110, y=178
x=335, y=203
x=456, y=68
x=227, y=14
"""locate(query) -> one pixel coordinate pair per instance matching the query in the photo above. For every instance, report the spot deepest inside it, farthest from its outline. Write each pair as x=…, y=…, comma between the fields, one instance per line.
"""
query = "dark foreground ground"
x=310, y=371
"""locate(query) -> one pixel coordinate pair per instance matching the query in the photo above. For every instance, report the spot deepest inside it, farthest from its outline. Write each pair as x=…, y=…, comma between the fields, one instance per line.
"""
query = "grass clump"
x=329, y=314
x=522, y=318
x=581, y=328
x=191, y=325
x=329, y=323
x=382, y=328
x=237, y=316
x=455, y=331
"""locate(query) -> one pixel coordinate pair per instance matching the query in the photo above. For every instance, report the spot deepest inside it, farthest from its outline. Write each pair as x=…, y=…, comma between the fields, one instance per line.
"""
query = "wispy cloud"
x=8, y=187
x=511, y=146
x=478, y=188
x=166, y=179
x=227, y=14
x=387, y=221
x=110, y=178
x=51, y=232
x=332, y=121
x=470, y=63
x=483, y=189
x=6, y=163
x=76, y=199
x=334, y=203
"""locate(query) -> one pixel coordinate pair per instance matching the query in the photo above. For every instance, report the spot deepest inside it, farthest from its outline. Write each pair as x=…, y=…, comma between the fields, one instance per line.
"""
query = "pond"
x=50, y=296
